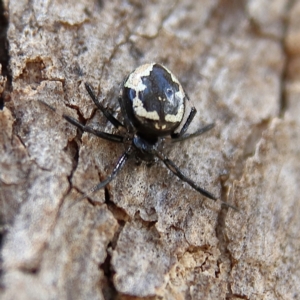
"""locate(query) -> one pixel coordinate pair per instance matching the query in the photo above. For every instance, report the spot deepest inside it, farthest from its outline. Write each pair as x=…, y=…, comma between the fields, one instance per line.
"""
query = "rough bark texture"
x=148, y=235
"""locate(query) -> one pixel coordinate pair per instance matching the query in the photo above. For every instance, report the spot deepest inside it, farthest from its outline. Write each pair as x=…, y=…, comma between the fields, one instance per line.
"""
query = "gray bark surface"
x=148, y=235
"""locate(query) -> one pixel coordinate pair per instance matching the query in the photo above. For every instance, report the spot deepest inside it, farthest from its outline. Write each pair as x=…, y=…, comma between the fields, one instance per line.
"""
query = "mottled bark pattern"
x=148, y=235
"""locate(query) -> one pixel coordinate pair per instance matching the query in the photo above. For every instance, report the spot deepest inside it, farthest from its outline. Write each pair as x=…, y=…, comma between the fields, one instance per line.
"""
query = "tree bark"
x=148, y=235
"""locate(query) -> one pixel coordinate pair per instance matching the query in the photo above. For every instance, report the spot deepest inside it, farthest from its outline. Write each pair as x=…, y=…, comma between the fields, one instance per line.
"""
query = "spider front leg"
x=107, y=136
x=192, y=135
x=104, y=110
x=181, y=136
x=186, y=124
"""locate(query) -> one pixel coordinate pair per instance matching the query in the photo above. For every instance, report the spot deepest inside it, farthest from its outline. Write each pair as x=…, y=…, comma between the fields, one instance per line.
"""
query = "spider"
x=153, y=104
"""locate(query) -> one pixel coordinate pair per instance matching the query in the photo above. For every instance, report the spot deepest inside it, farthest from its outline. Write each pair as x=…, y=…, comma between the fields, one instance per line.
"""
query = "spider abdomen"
x=154, y=100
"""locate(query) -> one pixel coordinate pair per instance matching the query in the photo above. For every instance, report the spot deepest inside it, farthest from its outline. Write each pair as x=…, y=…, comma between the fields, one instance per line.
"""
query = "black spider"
x=152, y=103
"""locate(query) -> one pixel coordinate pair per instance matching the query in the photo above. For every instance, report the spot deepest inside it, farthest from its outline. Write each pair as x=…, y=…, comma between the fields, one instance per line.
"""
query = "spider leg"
x=176, y=171
x=186, y=124
x=198, y=132
x=128, y=123
x=116, y=170
x=107, y=136
x=106, y=113
x=181, y=136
